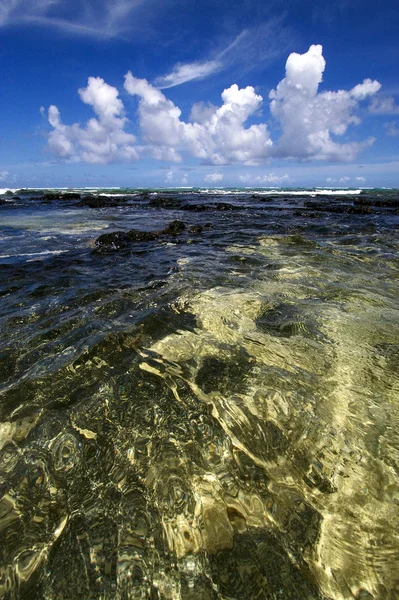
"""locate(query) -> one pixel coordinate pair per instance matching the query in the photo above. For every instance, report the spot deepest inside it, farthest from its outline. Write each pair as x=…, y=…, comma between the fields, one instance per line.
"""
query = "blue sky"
x=199, y=93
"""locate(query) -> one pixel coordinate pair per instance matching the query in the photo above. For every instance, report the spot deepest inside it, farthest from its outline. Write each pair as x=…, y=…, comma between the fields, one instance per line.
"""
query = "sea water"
x=211, y=415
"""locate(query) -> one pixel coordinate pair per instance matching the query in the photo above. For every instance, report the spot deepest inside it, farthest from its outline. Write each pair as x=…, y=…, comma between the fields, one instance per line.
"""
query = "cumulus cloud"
x=214, y=177
x=367, y=88
x=3, y=175
x=311, y=121
x=309, y=118
x=269, y=179
x=103, y=139
x=220, y=138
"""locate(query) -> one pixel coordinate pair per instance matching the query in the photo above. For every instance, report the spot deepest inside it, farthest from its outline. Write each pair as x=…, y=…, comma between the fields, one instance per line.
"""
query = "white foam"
x=316, y=192
x=4, y=190
x=33, y=253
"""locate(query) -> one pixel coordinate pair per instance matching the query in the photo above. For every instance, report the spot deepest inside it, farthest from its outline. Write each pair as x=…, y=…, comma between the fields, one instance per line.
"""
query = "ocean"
x=199, y=394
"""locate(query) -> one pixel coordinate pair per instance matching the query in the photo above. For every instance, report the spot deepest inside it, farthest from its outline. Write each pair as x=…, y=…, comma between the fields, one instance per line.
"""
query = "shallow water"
x=204, y=416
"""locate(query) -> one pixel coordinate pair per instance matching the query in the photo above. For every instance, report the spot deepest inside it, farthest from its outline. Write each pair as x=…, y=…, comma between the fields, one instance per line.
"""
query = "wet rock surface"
x=118, y=240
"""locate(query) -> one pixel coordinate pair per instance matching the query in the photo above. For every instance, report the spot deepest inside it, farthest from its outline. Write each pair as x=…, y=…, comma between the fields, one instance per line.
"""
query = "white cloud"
x=103, y=139
x=169, y=177
x=308, y=117
x=310, y=121
x=214, y=177
x=256, y=45
x=270, y=178
x=201, y=112
x=367, y=88
x=391, y=128
x=3, y=175
x=384, y=105
x=220, y=137
x=98, y=18
x=345, y=179
x=188, y=72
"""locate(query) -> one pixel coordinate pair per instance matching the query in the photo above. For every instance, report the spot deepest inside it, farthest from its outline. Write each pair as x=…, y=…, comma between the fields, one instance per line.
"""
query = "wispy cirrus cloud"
x=392, y=128
x=254, y=46
x=182, y=73
x=102, y=19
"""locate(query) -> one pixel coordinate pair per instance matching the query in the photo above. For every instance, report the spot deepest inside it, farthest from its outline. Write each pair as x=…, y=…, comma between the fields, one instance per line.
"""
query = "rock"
x=102, y=201
x=94, y=202
x=134, y=235
x=324, y=207
x=212, y=206
x=196, y=229
x=163, y=202
x=388, y=203
x=110, y=242
x=199, y=228
x=61, y=196
x=362, y=202
x=306, y=213
x=360, y=210
x=174, y=228
x=118, y=240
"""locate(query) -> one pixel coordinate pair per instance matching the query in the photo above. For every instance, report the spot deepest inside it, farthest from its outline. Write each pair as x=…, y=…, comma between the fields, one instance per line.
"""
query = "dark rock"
x=360, y=210
x=196, y=207
x=196, y=229
x=388, y=203
x=134, y=235
x=110, y=242
x=174, y=228
x=118, y=240
x=330, y=207
x=362, y=202
x=212, y=206
x=224, y=206
x=306, y=213
x=162, y=202
x=94, y=202
x=62, y=196
x=102, y=201
x=2, y=201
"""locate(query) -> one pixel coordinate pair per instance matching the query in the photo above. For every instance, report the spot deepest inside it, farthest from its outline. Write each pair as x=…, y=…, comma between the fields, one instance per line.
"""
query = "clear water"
x=206, y=416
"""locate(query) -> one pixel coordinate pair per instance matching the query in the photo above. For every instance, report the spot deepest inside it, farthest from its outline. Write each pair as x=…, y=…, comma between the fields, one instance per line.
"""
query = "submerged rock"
x=109, y=242
x=357, y=209
x=62, y=196
x=162, y=202
x=103, y=201
x=360, y=210
x=210, y=206
x=118, y=240
x=174, y=228
x=136, y=235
